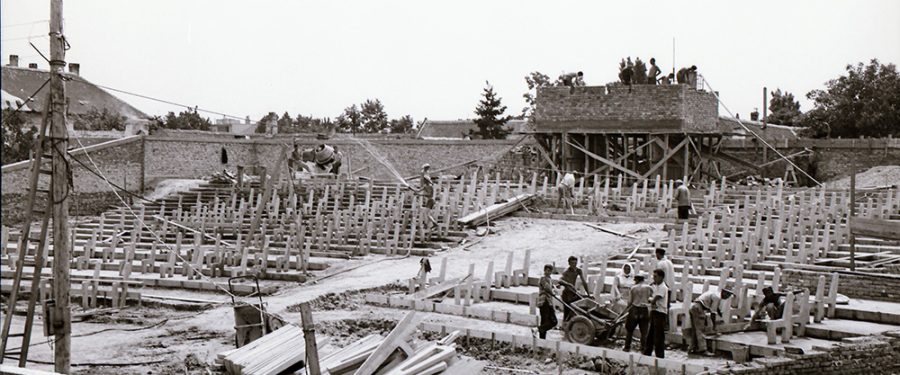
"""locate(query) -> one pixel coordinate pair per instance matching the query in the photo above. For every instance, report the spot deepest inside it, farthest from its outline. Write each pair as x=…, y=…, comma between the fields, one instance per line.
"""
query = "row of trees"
x=367, y=117
x=864, y=102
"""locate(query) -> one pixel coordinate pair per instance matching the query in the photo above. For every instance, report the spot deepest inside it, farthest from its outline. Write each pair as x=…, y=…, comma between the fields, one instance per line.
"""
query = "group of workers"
x=628, y=76
x=681, y=197
x=647, y=305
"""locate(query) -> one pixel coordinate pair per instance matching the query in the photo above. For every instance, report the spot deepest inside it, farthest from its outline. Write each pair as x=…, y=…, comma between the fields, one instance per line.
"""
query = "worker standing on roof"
x=653, y=73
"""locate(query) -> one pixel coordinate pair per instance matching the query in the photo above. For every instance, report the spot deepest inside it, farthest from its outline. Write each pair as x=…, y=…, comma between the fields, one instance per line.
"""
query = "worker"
x=336, y=164
x=683, y=200
x=659, y=302
x=570, y=276
x=569, y=295
x=424, y=269
x=653, y=73
x=691, y=76
x=665, y=264
x=426, y=187
x=622, y=284
x=572, y=79
x=708, y=303
x=638, y=311
x=772, y=305
x=545, y=303
x=566, y=192
x=667, y=80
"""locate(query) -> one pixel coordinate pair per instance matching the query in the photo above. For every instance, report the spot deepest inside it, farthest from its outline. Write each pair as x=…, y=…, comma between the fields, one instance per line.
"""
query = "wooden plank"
x=495, y=211
x=878, y=228
x=390, y=343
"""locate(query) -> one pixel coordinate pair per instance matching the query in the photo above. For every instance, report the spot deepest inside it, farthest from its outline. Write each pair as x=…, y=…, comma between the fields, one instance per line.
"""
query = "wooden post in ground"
x=852, y=214
x=309, y=335
x=62, y=325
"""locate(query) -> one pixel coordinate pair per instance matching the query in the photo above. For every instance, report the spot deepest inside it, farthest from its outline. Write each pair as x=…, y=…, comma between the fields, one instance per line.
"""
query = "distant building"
x=459, y=129
x=18, y=83
x=772, y=132
x=234, y=126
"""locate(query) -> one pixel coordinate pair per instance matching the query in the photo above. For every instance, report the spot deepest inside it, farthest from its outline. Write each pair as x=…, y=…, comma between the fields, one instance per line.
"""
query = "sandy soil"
x=883, y=175
x=186, y=342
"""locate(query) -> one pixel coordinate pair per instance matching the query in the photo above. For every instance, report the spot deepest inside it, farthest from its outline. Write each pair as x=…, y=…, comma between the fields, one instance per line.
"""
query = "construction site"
x=343, y=254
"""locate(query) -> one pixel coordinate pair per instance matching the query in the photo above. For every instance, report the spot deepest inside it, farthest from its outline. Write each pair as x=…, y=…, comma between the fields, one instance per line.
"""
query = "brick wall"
x=880, y=287
x=618, y=108
x=121, y=161
x=831, y=158
x=168, y=157
x=879, y=354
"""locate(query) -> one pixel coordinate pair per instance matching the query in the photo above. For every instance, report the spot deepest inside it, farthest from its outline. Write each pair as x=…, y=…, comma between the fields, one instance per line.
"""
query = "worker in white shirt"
x=709, y=303
x=663, y=263
x=566, y=191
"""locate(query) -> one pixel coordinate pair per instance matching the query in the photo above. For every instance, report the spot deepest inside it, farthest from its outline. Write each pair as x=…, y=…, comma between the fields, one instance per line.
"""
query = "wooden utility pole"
x=309, y=335
x=59, y=143
x=852, y=215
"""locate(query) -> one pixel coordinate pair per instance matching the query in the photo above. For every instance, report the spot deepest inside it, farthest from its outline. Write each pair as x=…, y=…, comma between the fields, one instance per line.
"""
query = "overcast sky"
x=432, y=58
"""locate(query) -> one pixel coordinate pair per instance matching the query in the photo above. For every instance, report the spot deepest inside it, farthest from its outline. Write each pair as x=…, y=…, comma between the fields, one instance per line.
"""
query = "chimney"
x=13, y=60
x=32, y=66
x=74, y=68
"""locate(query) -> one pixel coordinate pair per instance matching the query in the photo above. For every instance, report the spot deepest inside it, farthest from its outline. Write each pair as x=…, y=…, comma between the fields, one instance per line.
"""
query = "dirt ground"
x=162, y=340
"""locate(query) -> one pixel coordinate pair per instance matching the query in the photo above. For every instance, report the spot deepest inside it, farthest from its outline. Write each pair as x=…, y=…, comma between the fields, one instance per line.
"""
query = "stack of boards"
x=282, y=351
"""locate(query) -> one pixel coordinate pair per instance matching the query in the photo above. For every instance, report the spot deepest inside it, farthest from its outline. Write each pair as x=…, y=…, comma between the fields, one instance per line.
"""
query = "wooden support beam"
x=606, y=161
x=665, y=158
x=390, y=344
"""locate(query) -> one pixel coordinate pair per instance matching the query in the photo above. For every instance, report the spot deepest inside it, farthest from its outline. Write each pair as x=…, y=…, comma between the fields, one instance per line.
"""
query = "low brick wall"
x=879, y=287
x=120, y=160
x=878, y=354
x=193, y=157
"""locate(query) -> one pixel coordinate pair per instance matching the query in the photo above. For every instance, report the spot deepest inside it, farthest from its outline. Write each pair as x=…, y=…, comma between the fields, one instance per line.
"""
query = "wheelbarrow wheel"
x=581, y=330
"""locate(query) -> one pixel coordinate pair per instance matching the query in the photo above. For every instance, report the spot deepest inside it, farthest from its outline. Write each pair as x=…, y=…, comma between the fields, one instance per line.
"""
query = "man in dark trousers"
x=638, y=310
x=656, y=335
x=569, y=294
x=545, y=303
x=682, y=200
x=772, y=305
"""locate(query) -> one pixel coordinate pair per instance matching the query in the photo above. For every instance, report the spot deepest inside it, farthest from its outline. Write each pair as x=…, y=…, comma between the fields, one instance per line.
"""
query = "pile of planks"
x=274, y=353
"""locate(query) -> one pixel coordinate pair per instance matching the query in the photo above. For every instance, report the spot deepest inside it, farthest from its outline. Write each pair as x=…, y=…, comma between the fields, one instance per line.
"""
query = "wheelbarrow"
x=250, y=320
x=592, y=322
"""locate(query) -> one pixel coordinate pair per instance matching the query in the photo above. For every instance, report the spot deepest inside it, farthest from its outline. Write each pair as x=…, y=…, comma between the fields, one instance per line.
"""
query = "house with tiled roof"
x=20, y=83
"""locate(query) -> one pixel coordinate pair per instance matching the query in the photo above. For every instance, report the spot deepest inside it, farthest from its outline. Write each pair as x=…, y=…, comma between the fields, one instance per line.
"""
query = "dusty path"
x=187, y=340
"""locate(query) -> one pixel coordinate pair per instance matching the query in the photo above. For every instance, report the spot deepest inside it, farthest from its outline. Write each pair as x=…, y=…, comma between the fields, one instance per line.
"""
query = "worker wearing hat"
x=707, y=303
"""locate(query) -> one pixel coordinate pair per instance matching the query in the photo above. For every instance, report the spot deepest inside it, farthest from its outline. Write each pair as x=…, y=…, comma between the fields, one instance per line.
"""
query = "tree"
x=350, y=121
x=535, y=81
x=402, y=125
x=186, y=120
x=264, y=121
x=640, y=72
x=491, y=122
x=95, y=119
x=865, y=102
x=286, y=124
x=18, y=137
x=783, y=109
x=374, y=118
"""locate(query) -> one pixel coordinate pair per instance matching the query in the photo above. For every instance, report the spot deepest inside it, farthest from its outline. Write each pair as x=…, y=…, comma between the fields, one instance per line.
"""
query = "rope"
x=78, y=79
x=706, y=82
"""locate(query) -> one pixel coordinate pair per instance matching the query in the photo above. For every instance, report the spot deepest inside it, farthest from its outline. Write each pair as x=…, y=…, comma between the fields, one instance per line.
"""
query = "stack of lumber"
x=392, y=355
x=495, y=210
x=270, y=354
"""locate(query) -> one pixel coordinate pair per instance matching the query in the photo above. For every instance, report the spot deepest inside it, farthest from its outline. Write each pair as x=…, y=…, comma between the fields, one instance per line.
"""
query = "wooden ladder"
x=37, y=206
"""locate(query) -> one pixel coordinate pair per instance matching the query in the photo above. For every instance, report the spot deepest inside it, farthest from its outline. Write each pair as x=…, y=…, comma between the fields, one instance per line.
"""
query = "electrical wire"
x=23, y=24
x=78, y=79
x=716, y=94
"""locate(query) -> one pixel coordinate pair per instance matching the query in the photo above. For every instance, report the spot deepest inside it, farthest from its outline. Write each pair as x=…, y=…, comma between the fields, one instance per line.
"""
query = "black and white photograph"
x=402, y=187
